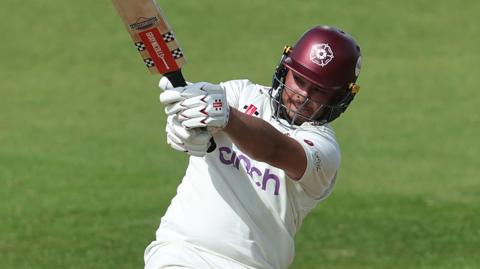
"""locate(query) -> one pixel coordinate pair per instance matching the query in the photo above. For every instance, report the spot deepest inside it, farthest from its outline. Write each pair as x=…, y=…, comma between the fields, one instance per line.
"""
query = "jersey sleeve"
x=234, y=89
x=323, y=161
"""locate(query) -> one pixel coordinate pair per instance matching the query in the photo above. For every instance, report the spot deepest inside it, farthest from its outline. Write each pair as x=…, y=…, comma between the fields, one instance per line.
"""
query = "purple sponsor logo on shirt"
x=229, y=157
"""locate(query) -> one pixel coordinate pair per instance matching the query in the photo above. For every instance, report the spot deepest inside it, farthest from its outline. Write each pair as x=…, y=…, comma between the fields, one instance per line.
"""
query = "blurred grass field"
x=85, y=173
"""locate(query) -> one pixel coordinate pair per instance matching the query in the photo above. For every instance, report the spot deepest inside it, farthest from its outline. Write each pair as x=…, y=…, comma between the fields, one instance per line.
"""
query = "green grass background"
x=85, y=173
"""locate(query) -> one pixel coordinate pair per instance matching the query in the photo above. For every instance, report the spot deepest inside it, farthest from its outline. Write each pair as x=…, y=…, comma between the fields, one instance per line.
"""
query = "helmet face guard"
x=328, y=58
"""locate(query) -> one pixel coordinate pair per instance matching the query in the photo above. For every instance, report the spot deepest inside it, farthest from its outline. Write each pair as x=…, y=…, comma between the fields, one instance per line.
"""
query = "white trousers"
x=175, y=255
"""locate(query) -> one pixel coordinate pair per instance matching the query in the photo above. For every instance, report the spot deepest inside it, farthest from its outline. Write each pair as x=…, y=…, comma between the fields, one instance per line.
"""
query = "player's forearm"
x=262, y=142
x=254, y=136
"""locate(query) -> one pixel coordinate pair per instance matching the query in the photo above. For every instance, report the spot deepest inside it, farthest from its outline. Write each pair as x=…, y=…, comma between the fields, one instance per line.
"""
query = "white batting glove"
x=195, y=142
x=173, y=97
x=171, y=100
x=198, y=105
x=165, y=84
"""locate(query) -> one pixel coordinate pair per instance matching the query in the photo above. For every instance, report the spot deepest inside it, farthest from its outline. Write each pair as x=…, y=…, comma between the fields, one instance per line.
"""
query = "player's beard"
x=299, y=110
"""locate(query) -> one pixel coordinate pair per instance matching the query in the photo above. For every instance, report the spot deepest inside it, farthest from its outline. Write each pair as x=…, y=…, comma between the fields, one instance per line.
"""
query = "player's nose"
x=299, y=99
x=301, y=94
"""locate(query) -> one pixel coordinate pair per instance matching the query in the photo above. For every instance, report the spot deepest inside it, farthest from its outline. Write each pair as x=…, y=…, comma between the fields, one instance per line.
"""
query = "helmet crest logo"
x=321, y=54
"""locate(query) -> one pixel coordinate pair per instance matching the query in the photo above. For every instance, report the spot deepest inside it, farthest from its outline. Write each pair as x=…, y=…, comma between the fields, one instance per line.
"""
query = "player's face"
x=303, y=99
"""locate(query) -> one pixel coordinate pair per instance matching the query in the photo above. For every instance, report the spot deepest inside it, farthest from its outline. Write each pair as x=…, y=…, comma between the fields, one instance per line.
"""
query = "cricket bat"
x=154, y=39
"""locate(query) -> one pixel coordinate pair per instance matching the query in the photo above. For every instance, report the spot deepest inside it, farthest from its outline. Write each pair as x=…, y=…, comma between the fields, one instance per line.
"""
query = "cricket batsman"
x=240, y=205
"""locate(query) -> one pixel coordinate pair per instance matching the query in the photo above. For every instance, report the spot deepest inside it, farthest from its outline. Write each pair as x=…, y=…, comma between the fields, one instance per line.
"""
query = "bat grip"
x=177, y=80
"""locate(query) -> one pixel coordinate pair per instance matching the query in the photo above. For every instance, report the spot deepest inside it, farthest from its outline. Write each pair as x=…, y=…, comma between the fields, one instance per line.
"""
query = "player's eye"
x=299, y=81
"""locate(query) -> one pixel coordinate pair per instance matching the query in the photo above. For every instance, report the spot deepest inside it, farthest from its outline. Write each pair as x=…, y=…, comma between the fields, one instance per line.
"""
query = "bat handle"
x=177, y=80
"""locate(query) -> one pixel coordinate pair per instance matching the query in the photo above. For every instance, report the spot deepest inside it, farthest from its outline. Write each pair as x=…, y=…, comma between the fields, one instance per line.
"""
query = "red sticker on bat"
x=159, y=51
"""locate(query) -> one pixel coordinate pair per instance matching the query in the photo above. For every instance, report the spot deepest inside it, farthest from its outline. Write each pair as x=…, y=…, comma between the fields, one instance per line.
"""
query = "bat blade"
x=154, y=39
x=151, y=34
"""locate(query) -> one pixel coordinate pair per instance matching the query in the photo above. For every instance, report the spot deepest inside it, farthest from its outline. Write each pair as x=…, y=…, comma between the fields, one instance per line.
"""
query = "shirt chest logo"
x=262, y=177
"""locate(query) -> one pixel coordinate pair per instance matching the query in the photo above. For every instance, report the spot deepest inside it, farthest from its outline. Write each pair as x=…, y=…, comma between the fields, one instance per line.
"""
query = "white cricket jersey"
x=243, y=209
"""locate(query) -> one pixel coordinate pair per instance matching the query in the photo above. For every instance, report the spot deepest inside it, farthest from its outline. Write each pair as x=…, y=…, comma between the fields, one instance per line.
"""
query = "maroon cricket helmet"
x=327, y=57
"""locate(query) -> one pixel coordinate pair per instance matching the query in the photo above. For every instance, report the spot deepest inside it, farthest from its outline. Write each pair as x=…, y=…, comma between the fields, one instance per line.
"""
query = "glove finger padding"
x=175, y=145
x=171, y=96
x=196, y=112
x=182, y=104
x=193, y=141
x=209, y=111
x=213, y=124
x=194, y=150
x=175, y=127
x=174, y=108
x=181, y=93
x=165, y=84
x=198, y=122
x=196, y=101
